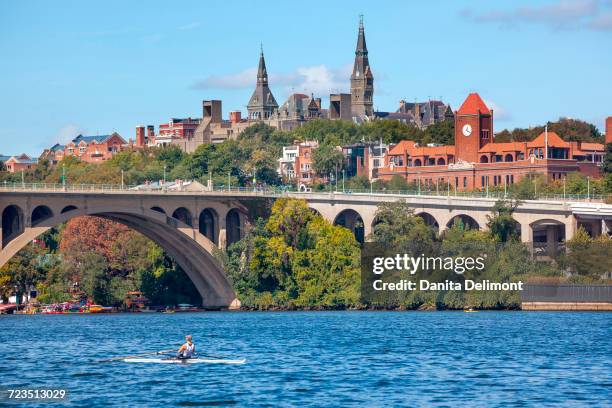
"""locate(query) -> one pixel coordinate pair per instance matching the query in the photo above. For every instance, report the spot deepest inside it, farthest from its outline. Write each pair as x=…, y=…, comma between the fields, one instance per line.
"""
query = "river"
x=317, y=358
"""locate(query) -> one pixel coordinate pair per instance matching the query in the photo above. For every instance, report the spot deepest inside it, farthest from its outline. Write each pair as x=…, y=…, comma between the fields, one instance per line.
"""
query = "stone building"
x=362, y=79
x=262, y=104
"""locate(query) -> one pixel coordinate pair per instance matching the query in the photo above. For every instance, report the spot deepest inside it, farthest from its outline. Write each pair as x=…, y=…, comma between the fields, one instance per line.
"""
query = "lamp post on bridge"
x=64, y=176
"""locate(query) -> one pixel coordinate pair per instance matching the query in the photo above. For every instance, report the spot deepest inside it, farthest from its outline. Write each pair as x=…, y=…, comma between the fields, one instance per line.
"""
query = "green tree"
x=327, y=160
x=396, y=226
x=501, y=224
x=606, y=167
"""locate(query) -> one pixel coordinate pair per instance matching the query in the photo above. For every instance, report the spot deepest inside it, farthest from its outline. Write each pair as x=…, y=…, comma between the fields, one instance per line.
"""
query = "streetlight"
x=588, y=187
x=121, y=179
x=336, y=178
x=229, y=182
x=164, y=174
x=64, y=176
x=342, y=180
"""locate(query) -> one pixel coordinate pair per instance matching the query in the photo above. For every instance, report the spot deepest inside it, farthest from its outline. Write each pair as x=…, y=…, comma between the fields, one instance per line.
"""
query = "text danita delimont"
x=411, y=265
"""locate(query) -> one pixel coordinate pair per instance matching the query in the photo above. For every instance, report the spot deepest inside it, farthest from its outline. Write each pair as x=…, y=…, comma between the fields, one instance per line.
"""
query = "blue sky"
x=97, y=67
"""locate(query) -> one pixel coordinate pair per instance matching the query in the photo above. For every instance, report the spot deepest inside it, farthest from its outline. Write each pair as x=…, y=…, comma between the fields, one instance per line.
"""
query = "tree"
x=21, y=272
x=294, y=258
x=398, y=183
x=396, y=226
x=587, y=256
x=501, y=224
x=606, y=167
x=327, y=160
x=442, y=132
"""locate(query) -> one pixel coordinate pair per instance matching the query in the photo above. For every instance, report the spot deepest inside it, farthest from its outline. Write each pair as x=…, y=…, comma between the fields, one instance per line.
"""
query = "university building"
x=299, y=108
x=475, y=161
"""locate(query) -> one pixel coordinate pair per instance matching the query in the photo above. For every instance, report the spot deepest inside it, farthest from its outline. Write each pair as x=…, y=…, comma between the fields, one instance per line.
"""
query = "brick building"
x=90, y=149
x=295, y=165
x=475, y=161
x=14, y=164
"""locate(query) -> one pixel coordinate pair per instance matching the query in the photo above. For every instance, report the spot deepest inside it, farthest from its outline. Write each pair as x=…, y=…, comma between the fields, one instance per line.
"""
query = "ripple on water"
x=331, y=358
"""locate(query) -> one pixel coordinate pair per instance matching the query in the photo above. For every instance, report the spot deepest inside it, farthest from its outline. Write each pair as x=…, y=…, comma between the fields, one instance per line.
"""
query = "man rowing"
x=188, y=349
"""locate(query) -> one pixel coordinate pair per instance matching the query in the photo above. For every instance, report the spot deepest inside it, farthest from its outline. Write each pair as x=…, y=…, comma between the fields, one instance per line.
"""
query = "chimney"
x=140, y=135
x=608, y=129
x=235, y=116
x=151, y=132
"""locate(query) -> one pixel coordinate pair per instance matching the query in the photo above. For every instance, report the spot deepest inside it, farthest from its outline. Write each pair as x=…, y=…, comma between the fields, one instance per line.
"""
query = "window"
x=465, y=182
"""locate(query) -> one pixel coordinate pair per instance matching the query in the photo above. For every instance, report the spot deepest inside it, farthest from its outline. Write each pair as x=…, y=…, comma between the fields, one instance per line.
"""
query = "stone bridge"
x=189, y=225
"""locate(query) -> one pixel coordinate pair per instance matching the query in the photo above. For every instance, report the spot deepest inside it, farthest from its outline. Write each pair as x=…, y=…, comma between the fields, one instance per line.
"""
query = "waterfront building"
x=475, y=161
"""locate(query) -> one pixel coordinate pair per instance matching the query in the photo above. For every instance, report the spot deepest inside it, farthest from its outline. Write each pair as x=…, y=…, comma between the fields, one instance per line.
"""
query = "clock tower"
x=473, y=128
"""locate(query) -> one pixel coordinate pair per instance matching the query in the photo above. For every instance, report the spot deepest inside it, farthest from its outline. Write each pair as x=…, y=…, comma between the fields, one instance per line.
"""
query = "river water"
x=317, y=358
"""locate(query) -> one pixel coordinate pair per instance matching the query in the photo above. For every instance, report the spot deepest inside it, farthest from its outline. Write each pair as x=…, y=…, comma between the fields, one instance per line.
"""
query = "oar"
x=136, y=355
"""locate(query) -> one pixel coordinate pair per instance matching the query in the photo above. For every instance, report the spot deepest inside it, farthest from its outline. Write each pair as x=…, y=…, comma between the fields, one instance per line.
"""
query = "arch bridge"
x=189, y=225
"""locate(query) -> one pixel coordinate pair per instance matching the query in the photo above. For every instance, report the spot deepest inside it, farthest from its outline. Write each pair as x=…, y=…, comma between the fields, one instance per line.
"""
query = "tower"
x=362, y=80
x=262, y=103
x=473, y=128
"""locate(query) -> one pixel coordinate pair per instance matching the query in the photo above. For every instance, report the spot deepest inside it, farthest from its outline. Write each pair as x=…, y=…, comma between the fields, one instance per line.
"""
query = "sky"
x=70, y=67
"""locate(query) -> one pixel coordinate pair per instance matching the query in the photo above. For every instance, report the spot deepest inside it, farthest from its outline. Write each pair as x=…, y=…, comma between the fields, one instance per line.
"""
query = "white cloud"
x=240, y=80
x=317, y=79
x=562, y=14
x=602, y=22
x=68, y=132
x=499, y=112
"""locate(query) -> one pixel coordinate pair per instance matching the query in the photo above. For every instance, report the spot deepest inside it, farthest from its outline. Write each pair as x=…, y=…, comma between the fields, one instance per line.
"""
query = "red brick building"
x=175, y=129
x=16, y=164
x=476, y=161
x=90, y=149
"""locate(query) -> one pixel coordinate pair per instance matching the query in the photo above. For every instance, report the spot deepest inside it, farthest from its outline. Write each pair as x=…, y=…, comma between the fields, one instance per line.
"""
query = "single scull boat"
x=184, y=361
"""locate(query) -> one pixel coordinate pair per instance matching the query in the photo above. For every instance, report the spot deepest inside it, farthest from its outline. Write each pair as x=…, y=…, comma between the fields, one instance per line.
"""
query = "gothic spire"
x=262, y=73
x=361, y=48
x=361, y=67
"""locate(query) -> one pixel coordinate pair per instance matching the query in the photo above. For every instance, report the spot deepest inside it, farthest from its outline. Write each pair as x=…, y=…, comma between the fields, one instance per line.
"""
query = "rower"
x=188, y=349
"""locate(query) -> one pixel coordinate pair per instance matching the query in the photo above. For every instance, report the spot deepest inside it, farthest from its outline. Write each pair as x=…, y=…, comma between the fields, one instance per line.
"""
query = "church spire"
x=262, y=73
x=262, y=104
x=362, y=80
x=361, y=48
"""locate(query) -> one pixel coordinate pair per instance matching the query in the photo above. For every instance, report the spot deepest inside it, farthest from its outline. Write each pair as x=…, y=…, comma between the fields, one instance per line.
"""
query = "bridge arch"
x=351, y=219
x=468, y=222
x=184, y=215
x=68, y=208
x=158, y=209
x=430, y=220
x=208, y=224
x=41, y=213
x=547, y=236
x=12, y=223
x=190, y=249
x=234, y=226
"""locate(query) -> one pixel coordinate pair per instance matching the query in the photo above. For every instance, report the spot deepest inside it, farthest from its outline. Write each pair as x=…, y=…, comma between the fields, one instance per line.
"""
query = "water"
x=321, y=359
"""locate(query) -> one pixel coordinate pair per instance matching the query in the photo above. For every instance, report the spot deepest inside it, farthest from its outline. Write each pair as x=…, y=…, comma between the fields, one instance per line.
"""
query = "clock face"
x=467, y=130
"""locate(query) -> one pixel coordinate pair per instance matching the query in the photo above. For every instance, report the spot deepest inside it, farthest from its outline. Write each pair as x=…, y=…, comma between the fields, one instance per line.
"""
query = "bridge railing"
x=275, y=191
